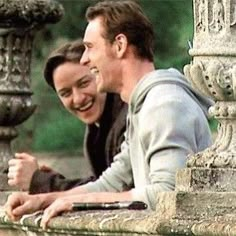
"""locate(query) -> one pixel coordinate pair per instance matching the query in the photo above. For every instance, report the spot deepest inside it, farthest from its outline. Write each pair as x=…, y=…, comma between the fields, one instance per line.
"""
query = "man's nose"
x=78, y=97
x=84, y=59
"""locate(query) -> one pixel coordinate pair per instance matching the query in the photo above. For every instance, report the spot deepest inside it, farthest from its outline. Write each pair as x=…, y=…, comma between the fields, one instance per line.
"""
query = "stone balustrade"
x=118, y=223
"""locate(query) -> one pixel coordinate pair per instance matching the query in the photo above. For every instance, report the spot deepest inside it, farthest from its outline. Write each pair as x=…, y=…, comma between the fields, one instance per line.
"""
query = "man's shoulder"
x=169, y=91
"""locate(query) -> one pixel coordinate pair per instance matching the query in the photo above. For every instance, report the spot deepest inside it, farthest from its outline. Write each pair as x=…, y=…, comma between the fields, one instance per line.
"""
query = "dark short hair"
x=69, y=52
x=125, y=17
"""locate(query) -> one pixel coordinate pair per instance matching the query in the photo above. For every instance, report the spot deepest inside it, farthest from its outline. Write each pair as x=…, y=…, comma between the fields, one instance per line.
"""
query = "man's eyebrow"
x=87, y=44
x=62, y=90
x=83, y=77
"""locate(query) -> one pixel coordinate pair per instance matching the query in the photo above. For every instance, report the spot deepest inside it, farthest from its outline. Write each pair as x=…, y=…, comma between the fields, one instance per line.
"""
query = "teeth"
x=94, y=71
x=85, y=107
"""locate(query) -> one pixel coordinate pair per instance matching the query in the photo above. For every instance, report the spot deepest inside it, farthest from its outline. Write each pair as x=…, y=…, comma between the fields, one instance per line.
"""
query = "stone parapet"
x=118, y=223
x=196, y=205
x=206, y=179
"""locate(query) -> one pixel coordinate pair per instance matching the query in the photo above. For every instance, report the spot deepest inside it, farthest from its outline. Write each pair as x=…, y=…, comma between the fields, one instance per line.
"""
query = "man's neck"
x=136, y=70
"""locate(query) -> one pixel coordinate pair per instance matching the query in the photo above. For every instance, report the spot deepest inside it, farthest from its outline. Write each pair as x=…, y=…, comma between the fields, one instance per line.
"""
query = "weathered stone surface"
x=3, y=183
x=20, y=13
x=196, y=205
x=3, y=196
x=206, y=179
x=213, y=72
x=19, y=21
x=222, y=226
x=92, y=223
x=118, y=223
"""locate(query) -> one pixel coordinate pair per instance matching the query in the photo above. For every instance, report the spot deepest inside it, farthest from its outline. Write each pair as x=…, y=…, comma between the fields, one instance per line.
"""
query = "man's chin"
x=88, y=121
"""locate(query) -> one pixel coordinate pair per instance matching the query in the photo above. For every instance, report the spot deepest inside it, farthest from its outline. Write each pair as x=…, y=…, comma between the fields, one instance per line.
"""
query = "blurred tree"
x=53, y=128
x=172, y=20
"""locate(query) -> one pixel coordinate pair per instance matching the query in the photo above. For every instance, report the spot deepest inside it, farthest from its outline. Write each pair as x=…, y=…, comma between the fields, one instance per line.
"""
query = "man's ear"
x=121, y=44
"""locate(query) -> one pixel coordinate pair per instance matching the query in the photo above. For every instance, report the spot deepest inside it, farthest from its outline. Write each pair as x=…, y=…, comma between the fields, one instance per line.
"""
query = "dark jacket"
x=100, y=146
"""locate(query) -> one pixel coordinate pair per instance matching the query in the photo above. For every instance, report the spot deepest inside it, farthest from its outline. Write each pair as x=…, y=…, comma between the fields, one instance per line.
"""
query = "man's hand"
x=21, y=170
x=60, y=205
x=19, y=204
x=64, y=203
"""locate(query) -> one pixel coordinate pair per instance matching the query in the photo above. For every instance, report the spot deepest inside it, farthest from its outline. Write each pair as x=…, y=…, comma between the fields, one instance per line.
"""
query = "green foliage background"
x=51, y=128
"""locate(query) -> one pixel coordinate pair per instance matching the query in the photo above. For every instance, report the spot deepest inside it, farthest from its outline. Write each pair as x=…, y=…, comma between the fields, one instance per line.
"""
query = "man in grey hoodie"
x=167, y=119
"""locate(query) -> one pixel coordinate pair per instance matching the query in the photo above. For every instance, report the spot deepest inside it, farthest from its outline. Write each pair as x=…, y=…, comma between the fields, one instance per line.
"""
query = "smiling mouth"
x=94, y=71
x=85, y=107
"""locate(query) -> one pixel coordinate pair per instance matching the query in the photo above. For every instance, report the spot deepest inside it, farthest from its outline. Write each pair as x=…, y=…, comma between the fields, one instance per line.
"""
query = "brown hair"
x=125, y=17
x=69, y=52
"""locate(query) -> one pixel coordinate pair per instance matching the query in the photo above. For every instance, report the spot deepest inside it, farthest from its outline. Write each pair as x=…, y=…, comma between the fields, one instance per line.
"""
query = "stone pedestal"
x=213, y=72
x=20, y=20
x=201, y=193
x=206, y=180
x=205, y=190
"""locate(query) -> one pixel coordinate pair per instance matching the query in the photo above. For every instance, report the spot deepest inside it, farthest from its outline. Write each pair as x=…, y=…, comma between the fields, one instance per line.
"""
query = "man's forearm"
x=74, y=191
x=113, y=197
x=100, y=197
x=81, y=194
x=48, y=198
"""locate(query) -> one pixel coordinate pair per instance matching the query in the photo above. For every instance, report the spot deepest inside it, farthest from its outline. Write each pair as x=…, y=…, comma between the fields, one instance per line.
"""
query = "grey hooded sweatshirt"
x=167, y=120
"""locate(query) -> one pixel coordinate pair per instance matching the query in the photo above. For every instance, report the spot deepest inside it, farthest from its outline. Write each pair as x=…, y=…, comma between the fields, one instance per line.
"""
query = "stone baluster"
x=213, y=72
x=206, y=188
x=19, y=21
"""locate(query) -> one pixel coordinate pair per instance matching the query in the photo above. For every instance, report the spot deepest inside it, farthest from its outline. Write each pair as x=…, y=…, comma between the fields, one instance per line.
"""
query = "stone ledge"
x=118, y=223
x=196, y=205
x=206, y=179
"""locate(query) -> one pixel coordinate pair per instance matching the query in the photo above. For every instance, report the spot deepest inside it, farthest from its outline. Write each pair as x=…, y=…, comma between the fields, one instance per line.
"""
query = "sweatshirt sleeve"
x=173, y=126
x=49, y=181
x=116, y=178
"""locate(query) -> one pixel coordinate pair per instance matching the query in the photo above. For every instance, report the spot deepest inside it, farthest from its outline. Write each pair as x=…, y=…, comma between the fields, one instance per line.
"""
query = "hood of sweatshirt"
x=162, y=76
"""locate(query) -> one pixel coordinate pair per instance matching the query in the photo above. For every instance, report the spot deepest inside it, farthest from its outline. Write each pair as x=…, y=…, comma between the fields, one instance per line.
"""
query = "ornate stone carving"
x=233, y=14
x=201, y=15
x=213, y=72
x=19, y=21
x=217, y=20
x=213, y=78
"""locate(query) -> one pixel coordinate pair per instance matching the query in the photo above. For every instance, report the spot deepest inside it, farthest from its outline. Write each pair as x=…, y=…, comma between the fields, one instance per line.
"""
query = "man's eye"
x=84, y=84
x=87, y=46
x=64, y=94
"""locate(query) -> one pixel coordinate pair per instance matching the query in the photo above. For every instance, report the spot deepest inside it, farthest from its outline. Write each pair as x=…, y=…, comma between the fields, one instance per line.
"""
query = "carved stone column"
x=213, y=72
x=207, y=188
x=19, y=21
